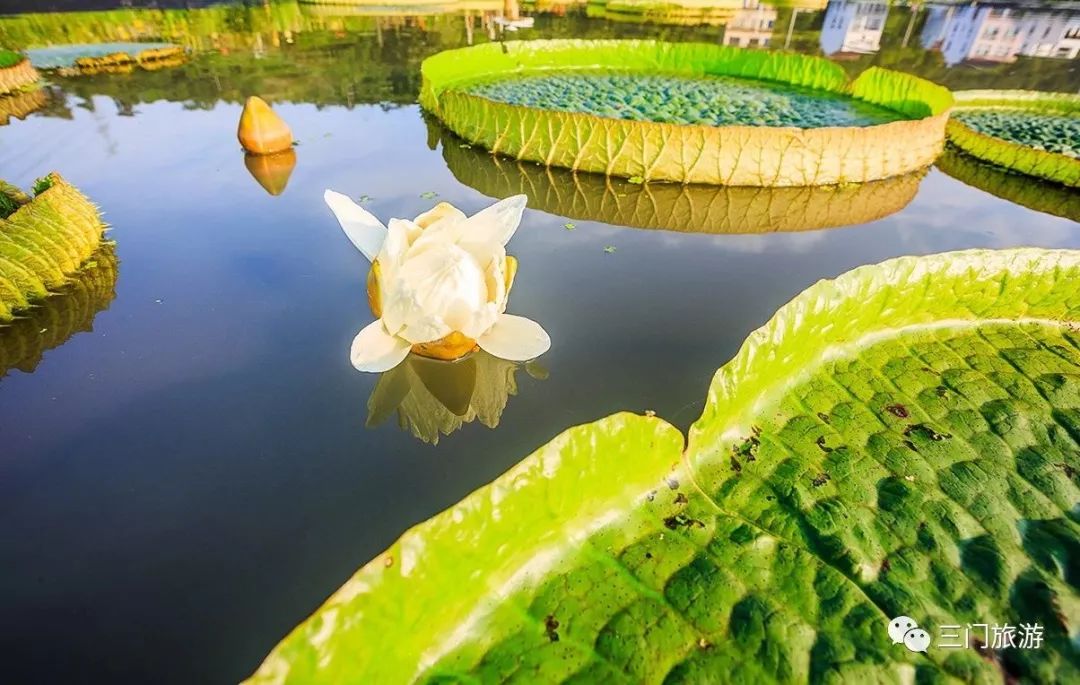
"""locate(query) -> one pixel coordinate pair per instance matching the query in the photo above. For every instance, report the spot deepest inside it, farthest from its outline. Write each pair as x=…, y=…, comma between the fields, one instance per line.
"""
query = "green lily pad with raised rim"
x=43, y=240
x=745, y=154
x=903, y=440
x=978, y=127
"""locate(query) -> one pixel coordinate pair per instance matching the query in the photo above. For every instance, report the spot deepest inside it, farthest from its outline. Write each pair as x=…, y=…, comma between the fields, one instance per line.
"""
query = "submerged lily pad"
x=902, y=440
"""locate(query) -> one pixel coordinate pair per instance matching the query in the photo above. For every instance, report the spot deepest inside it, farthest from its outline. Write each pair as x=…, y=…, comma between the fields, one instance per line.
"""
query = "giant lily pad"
x=54, y=320
x=676, y=206
x=902, y=440
x=661, y=146
x=16, y=73
x=1042, y=196
x=43, y=241
x=1029, y=132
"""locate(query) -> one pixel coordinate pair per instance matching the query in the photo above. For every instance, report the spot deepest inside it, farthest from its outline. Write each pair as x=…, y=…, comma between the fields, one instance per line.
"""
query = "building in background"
x=752, y=25
x=1000, y=32
x=853, y=26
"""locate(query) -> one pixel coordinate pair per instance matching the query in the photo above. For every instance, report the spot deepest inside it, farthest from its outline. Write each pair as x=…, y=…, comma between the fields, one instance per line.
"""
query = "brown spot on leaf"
x=821, y=479
x=898, y=410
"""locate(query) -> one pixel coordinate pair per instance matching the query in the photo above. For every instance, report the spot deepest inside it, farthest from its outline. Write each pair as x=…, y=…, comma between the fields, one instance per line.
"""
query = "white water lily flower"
x=439, y=284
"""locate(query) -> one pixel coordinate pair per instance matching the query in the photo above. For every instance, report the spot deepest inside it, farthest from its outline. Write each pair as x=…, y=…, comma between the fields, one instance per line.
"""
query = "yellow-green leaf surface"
x=901, y=440
x=725, y=155
x=44, y=241
x=55, y=319
x=1043, y=164
x=676, y=206
x=1028, y=191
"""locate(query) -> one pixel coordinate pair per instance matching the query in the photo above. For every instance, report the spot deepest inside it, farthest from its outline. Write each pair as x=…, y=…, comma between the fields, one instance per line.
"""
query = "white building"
x=853, y=26
x=752, y=25
x=998, y=34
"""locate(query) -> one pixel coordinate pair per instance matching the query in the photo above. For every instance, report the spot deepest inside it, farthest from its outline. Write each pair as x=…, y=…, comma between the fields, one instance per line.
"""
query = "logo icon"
x=904, y=630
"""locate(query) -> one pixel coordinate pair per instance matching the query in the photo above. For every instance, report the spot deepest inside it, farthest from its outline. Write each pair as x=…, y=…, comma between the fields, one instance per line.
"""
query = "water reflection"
x=272, y=172
x=329, y=53
x=21, y=104
x=1001, y=33
x=57, y=318
x=672, y=206
x=434, y=398
x=853, y=26
x=1028, y=191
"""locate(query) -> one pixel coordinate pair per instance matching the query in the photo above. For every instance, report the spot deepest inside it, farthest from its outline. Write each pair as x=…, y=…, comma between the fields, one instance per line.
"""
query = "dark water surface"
x=185, y=483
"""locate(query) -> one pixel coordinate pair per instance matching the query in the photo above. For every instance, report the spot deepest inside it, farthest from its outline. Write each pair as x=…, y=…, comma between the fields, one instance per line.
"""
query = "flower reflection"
x=433, y=398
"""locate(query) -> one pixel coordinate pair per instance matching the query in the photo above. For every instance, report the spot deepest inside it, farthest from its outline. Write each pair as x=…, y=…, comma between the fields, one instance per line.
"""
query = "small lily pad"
x=609, y=249
x=569, y=226
x=428, y=195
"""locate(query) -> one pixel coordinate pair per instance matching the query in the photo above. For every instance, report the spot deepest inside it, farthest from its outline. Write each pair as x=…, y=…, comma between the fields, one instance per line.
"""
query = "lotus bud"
x=272, y=171
x=261, y=131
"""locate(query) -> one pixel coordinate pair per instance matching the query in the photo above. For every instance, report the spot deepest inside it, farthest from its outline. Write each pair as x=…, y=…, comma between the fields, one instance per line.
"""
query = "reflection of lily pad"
x=1024, y=190
x=55, y=319
x=21, y=104
x=902, y=440
x=434, y=398
x=676, y=206
x=65, y=56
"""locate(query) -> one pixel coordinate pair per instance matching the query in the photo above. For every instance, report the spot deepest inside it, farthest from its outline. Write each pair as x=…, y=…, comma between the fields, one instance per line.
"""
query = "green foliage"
x=42, y=184
x=7, y=206
x=9, y=58
x=902, y=440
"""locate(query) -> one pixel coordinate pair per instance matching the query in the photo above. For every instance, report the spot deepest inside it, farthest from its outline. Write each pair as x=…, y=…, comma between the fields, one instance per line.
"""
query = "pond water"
x=185, y=482
x=668, y=99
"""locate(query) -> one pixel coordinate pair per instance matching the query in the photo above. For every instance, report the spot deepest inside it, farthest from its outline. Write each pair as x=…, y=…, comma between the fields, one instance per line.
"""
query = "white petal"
x=365, y=231
x=485, y=232
x=497, y=223
x=398, y=236
x=444, y=212
x=375, y=350
x=515, y=338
